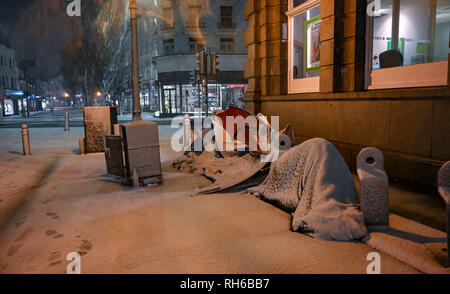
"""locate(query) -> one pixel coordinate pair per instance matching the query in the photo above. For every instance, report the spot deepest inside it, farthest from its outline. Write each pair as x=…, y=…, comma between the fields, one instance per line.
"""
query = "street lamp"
x=135, y=61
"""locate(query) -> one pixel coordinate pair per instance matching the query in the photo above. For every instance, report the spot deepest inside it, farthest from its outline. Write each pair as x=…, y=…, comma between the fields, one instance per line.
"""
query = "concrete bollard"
x=82, y=145
x=66, y=122
x=444, y=190
x=374, y=187
x=285, y=142
x=26, y=140
x=187, y=131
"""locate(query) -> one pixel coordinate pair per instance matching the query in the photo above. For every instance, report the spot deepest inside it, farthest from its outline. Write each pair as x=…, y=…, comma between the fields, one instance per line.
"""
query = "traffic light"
x=202, y=62
x=214, y=62
x=197, y=61
x=194, y=76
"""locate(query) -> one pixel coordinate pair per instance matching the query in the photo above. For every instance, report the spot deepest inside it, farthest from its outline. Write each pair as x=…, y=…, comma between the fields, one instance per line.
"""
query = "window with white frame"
x=226, y=17
x=194, y=17
x=196, y=45
x=227, y=45
x=408, y=43
x=304, y=46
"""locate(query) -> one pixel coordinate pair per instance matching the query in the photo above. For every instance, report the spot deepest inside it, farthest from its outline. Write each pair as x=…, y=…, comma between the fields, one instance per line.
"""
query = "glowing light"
x=99, y=94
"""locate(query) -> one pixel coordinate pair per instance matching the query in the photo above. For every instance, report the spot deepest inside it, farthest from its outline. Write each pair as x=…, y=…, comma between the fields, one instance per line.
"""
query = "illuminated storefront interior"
x=411, y=33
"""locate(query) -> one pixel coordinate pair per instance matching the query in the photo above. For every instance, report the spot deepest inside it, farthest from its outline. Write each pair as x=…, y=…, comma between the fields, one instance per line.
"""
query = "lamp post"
x=135, y=61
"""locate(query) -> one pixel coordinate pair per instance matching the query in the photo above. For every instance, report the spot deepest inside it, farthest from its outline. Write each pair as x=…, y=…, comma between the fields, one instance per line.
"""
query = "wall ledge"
x=384, y=94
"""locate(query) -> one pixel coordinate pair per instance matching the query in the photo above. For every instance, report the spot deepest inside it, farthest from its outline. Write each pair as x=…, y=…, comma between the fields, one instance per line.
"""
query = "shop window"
x=409, y=44
x=304, y=46
x=227, y=46
x=9, y=107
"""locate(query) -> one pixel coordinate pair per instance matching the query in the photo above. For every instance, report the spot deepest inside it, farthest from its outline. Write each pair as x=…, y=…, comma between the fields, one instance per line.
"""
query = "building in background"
x=10, y=94
x=34, y=87
x=56, y=93
x=186, y=27
x=148, y=48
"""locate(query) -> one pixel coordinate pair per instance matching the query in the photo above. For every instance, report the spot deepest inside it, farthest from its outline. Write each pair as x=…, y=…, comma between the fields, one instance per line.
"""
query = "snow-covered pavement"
x=56, y=202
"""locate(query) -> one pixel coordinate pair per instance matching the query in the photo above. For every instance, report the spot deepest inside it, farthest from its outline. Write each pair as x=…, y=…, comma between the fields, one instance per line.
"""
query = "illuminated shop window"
x=413, y=34
x=304, y=46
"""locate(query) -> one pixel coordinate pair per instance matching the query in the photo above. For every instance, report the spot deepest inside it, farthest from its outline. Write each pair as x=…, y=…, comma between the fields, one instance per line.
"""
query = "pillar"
x=265, y=38
x=354, y=45
x=252, y=67
x=332, y=47
x=273, y=47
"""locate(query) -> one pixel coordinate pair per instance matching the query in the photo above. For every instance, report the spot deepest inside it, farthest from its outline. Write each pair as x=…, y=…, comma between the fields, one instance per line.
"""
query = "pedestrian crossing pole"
x=135, y=62
x=66, y=122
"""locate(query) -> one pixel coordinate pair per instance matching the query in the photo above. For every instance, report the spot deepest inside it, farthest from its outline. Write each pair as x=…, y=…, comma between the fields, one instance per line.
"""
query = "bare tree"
x=105, y=45
x=72, y=69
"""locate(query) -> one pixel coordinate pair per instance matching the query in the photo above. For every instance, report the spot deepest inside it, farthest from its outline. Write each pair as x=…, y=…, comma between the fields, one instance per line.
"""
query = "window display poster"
x=9, y=107
x=312, y=33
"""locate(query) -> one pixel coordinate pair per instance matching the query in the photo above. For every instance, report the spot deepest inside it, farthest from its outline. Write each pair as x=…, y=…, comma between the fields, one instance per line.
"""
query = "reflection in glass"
x=299, y=2
x=306, y=44
x=410, y=32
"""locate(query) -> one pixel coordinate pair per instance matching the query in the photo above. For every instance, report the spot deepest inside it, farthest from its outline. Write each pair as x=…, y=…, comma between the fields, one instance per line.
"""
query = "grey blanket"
x=314, y=184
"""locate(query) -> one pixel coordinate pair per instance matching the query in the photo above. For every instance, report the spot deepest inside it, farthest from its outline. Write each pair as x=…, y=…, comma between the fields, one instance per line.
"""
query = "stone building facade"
x=10, y=93
x=408, y=119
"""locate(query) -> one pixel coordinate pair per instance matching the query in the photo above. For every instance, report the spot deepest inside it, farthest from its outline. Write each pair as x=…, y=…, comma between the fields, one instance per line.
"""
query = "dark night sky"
x=39, y=29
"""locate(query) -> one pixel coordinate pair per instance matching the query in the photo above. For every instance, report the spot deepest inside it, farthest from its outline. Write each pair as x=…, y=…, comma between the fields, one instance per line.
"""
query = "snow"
x=411, y=243
x=313, y=182
x=56, y=202
x=225, y=173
